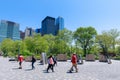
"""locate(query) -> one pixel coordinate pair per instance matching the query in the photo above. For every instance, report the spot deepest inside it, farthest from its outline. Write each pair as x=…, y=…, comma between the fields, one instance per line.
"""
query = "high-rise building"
x=59, y=23
x=9, y=29
x=48, y=26
x=51, y=25
x=22, y=35
x=29, y=32
x=39, y=30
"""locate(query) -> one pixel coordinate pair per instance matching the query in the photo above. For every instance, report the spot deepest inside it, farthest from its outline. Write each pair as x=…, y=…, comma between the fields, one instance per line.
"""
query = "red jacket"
x=74, y=59
x=20, y=58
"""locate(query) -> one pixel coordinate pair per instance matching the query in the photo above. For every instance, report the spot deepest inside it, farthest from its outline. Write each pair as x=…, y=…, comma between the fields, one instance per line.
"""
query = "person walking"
x=33, y=61
x=74, y=62
x=50, y=63
x=55, y=61
x=20, y=59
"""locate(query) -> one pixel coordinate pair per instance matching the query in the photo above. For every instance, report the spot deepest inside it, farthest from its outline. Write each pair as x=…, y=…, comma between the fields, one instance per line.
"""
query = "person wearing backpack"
x=33, y=61
x=55, y=61
x=50, y=63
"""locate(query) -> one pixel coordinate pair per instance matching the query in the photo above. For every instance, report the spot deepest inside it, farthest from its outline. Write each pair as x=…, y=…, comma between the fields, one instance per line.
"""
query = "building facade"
x=48, y=26
x=39, y=30
x=29, y=32
x=59, y=23
x=9, y=29
x=22, y=35
x=51, y=25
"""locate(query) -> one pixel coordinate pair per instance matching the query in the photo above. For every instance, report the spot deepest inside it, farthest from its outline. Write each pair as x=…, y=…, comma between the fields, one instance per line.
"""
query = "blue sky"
x=100, y=14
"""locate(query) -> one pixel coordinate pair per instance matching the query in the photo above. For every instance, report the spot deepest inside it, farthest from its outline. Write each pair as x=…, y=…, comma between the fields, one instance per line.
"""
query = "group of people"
x=51, y=62
x=20, y=59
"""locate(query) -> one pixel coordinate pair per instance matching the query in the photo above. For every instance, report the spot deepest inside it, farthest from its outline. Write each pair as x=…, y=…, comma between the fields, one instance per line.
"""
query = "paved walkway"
x=88, y=71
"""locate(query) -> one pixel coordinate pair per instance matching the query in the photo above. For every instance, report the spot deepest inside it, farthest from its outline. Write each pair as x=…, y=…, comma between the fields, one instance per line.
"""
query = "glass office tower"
x=60, y=23
x=51, y=25
x=10, y=30
x=48, y=26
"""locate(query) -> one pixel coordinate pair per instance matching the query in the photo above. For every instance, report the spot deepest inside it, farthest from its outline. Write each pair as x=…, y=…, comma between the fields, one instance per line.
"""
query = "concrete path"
x=88, y=71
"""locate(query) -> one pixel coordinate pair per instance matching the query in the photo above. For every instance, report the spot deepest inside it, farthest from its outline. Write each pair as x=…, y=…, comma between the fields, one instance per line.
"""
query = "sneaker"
x=70, y=71
x=47, y=71
x=20, y=67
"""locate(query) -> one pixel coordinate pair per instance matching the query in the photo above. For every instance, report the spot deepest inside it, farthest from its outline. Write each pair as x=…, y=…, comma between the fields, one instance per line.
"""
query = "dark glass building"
x=22, y=35
x=48, y=26
x=51, y=25
x=39, y=30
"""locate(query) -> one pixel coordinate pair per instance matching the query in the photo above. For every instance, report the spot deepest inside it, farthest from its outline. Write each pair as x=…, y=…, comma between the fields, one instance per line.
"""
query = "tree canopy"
x=85, y=35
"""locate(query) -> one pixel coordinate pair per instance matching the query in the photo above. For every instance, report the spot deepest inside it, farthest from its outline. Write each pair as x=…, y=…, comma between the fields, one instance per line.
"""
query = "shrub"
x=10, y=54
x=117, y=58
x=37, y=57
x=26, y=53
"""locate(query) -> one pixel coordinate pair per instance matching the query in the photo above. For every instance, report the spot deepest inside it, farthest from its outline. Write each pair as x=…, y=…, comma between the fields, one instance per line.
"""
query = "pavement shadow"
x=28, y=69
x=45, y=71
x=13, y=61
x=40, y=64
x=15, y=68
x=71, y=72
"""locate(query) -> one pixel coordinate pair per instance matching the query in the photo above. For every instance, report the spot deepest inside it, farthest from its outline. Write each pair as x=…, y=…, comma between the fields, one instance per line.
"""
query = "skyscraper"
x=59, y=23
x=48, y=26
x=22, y=35
x=38, y=30
x=9, y=29
x=51, y=25
x=29, y=32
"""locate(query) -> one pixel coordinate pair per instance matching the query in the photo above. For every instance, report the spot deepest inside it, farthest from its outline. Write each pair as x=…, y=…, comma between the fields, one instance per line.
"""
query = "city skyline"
x=100, y=14
x=10, y=30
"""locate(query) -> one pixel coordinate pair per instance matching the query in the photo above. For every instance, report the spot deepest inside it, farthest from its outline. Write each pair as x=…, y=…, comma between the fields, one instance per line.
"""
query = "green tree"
x=16, y=47
x=29, y=42
x=118, y=50
x=84, y=35
x=114, y=33
x=64, y=39
x=60, y=47
x=51, y=42
x=40, y=44
x=105, y=42
x=66, y=36
x=22, y=48
x=7, y=46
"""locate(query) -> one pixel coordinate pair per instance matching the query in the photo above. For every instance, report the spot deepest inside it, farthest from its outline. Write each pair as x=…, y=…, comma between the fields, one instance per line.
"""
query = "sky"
x=103, y=15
